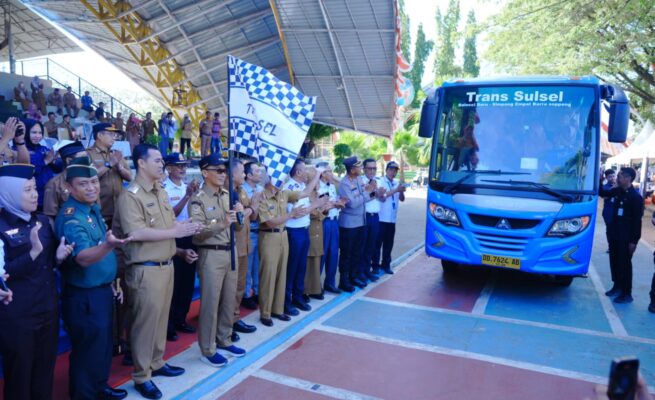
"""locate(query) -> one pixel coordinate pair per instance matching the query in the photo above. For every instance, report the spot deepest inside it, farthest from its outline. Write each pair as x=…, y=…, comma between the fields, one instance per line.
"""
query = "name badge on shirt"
x=11, y=232
x=620, y=212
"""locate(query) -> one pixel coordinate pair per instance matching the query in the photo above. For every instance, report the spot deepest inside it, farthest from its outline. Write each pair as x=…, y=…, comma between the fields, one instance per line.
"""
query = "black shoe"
x=110, y=393
x=387, y=271
x=256, y=298
x=185, y=328
x=172, y=336
x=291, y=311
x=359, y=283
x=372, y=277
x=332, y=289
x=242, y=327
x=346, y=287
x=266, y=321
x=148, y=390
x=168, y=370
x=283, y=317
x=318, y=296
x=249, y=303
x=127, y=359
x=305, y=298
x=651, y=307
x=235, y=337
x=301, y=305
x=376, y=270
x=614, y=291
x=623, y=298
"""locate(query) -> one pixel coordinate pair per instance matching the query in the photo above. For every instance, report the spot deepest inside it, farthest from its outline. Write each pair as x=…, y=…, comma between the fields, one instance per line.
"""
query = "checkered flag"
x=269, y=118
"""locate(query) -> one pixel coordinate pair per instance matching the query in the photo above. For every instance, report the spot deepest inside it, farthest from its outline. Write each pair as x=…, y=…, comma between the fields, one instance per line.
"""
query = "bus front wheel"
x=449, y=267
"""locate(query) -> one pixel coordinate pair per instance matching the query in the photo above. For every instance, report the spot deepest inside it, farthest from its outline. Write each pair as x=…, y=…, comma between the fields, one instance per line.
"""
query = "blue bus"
x=514, y=171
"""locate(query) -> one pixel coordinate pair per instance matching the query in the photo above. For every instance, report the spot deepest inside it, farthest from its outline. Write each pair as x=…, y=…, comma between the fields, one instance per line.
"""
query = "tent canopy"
x=642, y=147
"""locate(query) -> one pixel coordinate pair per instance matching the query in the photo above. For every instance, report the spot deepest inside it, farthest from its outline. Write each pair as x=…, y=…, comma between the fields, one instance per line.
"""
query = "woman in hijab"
x=30, y=324
x=41, y=157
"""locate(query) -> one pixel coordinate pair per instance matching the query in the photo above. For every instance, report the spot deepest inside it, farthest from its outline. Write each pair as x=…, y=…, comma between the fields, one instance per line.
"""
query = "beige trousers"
x=273, y=255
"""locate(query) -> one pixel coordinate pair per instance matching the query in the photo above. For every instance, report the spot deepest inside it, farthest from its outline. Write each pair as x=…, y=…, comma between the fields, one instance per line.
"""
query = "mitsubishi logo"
x=503, y=224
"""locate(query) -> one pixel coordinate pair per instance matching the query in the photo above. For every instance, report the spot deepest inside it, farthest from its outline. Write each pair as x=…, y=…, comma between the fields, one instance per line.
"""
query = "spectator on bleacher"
x=167, y=128
x=32, y=111
x=70, y=102
x=55, y=99
x=38, y=96
x=34, y=84
x=21, y=96
x=7, y=154
x=108, y=118
x=66, y=124
x=40, y=156
x=30, y=324
x=100, y=112
x=185, y=136
x=56, y=191
x=148, y=127
x=87, y=103
x=51, y=126
x=133, y=130
x=118, y=122
x=112, y=168
x=216, y=134
x=206, y=134
x=88, y=297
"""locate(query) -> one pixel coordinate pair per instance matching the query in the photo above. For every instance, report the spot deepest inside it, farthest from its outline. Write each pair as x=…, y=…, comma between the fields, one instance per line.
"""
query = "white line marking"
x=468, y=355
x=632, y=339
x=481, y=303
x=252, y=368
x=313, y=387
x=610, y=312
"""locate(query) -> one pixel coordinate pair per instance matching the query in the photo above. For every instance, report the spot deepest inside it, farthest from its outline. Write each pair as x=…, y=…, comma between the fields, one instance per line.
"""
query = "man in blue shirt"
x=87, y=294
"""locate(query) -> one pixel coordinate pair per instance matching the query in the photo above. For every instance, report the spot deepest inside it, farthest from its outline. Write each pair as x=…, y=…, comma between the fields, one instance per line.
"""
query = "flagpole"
x=229, y=167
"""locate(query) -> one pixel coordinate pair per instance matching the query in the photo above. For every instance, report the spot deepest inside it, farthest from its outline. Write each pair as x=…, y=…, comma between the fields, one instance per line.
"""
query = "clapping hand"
x=299, y=212
x=9, y=131
x=35, y=241
x=115, y=157
x=64, y=250
x=49, y=157
x=5, y=296
x=113, y=241
x=192, y=188
x=186, y=228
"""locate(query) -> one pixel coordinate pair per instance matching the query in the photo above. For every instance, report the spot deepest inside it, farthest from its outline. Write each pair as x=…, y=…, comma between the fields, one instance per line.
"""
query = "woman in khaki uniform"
x=313, y=276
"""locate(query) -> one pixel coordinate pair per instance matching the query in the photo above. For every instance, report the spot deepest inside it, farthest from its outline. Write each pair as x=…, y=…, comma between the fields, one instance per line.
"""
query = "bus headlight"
x=444, y=214
x=569, y=226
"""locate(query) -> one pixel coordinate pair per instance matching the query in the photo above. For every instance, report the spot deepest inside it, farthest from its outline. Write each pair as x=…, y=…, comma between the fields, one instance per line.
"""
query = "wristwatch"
x=108, y=165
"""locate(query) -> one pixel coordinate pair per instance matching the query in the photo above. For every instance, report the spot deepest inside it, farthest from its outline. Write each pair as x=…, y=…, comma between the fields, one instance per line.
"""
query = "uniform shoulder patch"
x=69, y=211
x=133, y=189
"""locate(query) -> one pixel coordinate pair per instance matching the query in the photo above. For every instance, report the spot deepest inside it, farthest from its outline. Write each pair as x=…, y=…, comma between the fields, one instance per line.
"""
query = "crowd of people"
x=126, y=248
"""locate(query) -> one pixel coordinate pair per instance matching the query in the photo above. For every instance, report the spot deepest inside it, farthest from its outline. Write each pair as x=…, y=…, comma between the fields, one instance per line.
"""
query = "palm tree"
x=404, y=145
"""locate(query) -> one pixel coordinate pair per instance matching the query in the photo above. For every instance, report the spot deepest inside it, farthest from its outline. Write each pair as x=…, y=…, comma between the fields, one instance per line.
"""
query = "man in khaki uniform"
x=112, y=168
x=242, y=238
x=274, y=246
x=218, y=281
x=56, y=190
x=148, y=217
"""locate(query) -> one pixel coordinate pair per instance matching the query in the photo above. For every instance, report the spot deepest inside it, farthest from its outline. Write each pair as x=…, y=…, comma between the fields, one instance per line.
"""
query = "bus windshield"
x=545, y=134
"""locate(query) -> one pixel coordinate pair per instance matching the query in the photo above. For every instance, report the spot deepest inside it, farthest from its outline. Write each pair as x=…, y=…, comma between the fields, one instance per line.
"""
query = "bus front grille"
x=498, y=242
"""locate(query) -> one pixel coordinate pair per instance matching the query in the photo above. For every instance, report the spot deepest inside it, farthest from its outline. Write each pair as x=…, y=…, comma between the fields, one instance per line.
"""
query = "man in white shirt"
x=184, y=279
x=330, y=258
x=298, y=234
x=372, y=227
x=395, y=193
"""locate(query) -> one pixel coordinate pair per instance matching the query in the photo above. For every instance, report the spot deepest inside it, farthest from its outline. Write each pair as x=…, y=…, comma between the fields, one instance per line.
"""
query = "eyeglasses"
x=371, y=168
x=218, y=170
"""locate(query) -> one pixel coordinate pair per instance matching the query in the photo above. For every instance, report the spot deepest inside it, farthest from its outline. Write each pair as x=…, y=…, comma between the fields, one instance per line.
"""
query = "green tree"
x=447, y=34
x=341, y=152
x=379, y=147
x=405, y=33
x=422, y=50
x=357, y=142
x=404, y=144
x=471, y=66
x=317, y=132
x=613, y=39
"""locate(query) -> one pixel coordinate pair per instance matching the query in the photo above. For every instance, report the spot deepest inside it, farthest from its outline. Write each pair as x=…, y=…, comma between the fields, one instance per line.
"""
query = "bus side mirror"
x=428, y=117
x=619, y=115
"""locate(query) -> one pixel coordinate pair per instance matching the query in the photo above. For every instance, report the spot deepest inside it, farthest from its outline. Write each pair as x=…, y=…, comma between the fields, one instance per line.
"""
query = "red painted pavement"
x=421, y=282
x=394, y=372
x=120, y=373
x=256, y=388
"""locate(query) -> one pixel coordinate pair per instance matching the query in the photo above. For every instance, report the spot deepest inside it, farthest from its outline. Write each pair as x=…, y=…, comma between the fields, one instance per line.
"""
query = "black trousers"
x=87, y=315
x=184, y=144
x=369, y=240
x=184, y=278
x=350, y=252
x=384, y=243
x=621, y=264
x=29, y=350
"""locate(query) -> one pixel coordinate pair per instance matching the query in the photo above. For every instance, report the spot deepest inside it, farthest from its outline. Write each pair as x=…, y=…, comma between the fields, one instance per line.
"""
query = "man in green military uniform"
x=87, y=296
x=148, y=217
x=218, y=281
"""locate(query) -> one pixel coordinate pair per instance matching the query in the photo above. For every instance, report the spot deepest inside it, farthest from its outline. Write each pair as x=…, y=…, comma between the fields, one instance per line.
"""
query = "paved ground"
x=420, y=335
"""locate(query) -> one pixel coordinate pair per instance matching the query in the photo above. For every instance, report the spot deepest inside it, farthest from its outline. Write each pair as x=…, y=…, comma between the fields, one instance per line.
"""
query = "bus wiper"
x=453, y=186
x=567, y=198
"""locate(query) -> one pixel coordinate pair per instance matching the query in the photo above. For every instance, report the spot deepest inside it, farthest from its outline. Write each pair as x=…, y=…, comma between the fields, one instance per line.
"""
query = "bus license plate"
x=501, y=261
